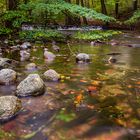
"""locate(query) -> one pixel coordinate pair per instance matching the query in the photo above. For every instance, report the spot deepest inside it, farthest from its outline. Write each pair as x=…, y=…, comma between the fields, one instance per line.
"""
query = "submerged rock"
x=7, y=76
x=48, y=55
x=9, y=107
x=33, y=85
x=26, y=45
x=92, y=43
x=5, y=63
x=133, y=45
x=31, y=66
x=52, y=75
x=82, y=57
x=25, y=55
x=112, y=60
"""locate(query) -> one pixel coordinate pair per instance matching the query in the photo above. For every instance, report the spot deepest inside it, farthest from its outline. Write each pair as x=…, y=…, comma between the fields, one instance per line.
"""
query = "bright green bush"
x=95, y=35
x=16, y=18
x=134, y=19
x=41, y=35
x=5, y=31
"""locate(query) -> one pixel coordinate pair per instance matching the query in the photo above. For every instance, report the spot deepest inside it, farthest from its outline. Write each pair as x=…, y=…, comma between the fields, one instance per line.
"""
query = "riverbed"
x=95, y=101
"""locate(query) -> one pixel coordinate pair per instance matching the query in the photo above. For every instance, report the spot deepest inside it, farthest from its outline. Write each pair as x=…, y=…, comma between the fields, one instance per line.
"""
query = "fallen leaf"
x=96, y=83
x=83, y=81
x=138, y=82
x=90, y=106
x=129, y=86
x=78, y=99
x=92, y=88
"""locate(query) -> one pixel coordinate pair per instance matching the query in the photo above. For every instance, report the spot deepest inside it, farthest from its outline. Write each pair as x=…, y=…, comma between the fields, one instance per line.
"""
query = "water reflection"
x=113, y=106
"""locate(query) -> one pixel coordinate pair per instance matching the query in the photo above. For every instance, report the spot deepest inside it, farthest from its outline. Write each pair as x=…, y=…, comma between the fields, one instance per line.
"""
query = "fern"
x=134, y=19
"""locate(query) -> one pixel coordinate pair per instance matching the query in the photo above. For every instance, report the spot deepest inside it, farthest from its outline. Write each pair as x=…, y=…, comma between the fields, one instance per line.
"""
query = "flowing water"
x=95, y=101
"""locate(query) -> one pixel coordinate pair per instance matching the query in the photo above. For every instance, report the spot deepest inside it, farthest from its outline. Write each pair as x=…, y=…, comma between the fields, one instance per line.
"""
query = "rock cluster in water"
x=32, y=85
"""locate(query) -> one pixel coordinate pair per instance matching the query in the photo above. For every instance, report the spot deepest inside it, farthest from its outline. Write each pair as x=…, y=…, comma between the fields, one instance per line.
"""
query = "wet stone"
x=7, y=76
x=9, y=107
x=33, y=85
x=51, y=75
x=82, y=58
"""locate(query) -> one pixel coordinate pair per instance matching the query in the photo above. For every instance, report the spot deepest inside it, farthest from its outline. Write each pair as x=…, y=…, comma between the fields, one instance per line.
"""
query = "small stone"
x=31, y=66
x=82, y=57
x=51, y=75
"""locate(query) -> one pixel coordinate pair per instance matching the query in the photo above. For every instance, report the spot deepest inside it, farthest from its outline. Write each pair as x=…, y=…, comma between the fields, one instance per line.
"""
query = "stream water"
x=95, y=101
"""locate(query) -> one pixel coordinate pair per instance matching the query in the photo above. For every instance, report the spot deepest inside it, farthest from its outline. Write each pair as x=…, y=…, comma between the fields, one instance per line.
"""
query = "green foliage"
x=6, y=135
x=15, y=17
x=51, y=10
x=134, y=19
x=95, y=35
x=41, y=34
x=5, y=31
x=64, y=116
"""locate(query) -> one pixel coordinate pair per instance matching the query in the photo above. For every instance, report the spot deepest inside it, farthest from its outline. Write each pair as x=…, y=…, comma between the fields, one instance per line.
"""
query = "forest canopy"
x=69, y=12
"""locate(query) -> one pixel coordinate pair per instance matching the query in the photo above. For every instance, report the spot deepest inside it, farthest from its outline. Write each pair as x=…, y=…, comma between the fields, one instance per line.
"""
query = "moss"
x=95, y=35
x=6, y=135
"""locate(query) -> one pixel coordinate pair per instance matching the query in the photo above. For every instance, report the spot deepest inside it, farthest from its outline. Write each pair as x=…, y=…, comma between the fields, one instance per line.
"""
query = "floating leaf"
x=78, y=99
x=83, y=81
x=92, y=88
x=96, y=83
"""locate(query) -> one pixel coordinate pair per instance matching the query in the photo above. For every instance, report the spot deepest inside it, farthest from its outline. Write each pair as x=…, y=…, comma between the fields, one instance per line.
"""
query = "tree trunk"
x=135, y=5
x=68, y=19
x=87, y=4
x=117, y=8
x=84, y=19
x=12, y=4
x=78, y=22
x=103, y=7
x=26, y=1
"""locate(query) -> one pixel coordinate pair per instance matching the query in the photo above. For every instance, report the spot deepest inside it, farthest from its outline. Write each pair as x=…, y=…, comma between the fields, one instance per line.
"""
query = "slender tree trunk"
x=103, y=7
x=12, y=4
x=82, y=3
x=68, y=20
x=87, y=4
x=26, y=1
x=117, y=8
x=84, y=19
x=78, y=21
x=92, y=3
x=135, y=5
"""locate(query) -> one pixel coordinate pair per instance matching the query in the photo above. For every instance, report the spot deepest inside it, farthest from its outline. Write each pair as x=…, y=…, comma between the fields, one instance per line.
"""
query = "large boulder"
x=33, y=85
x=7, y=76
x=82, y=57
x=51, y=75
x=9, y=107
